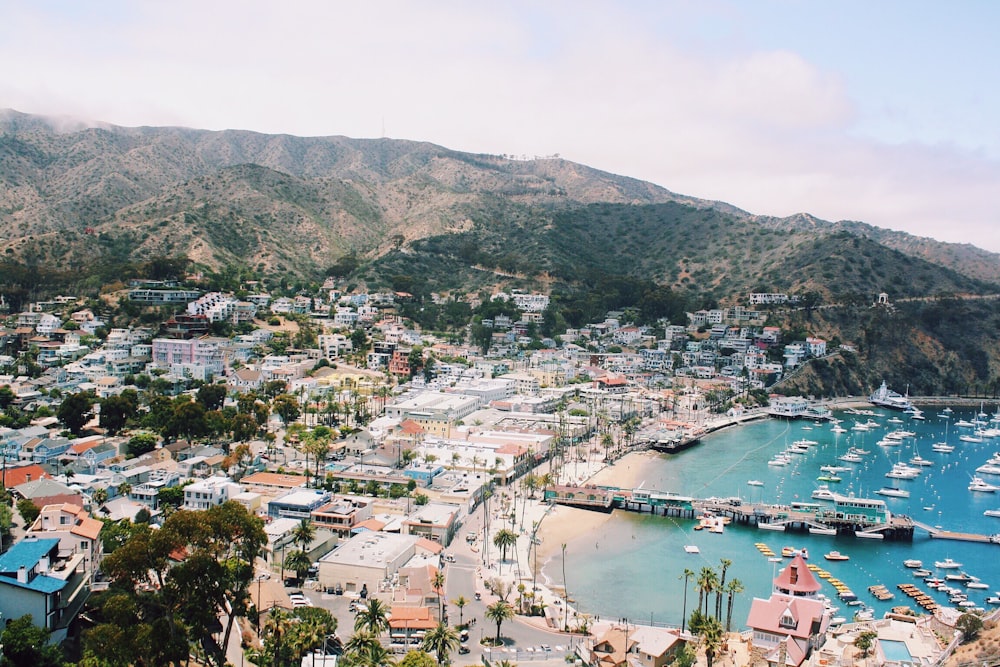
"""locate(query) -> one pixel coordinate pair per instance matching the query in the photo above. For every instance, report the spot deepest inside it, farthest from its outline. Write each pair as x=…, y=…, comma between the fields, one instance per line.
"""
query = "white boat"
x=804, y=443
x=822, y=531
x=918, y=460
x=979, y=485
x=893, y=492
x=822, y=492
x=947, y=564
x=779, y=460
x=889, y=442
x=887, y=398
x=970, y=438
x=976, y=585
x=837, y=428
x=850, y=457
x=755, y=482
x=858, y=451
x=869, y=536
x=772, y=526
x=943, y=447
x=919, y=416
x=913, y=563
x=691, y=549
x=993, y=513
x=964, y=423
x=989, y=469
x=835, y=469
x=894, y=420
x=902, y=471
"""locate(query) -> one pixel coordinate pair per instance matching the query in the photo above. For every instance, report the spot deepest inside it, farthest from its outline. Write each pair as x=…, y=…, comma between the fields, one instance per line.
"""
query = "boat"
x=869, y=535
x=918, y=460
x=989, y=469
x=804, y=443
x=866, y=614
x=691, y=549
x=970, y=438
x=958, y=576
x=993, y=513
x=850, y=457
x=837, y=428
x=887, y=398
x=979, y=485
x=913, y=563
x=993, y=599
x=964, y=423
x=943, y=447
x=822, y=531
x=780, y=460
x=830, y=478
x=922, y=573
x=835, y=469
x=893, y=492
x=901, y=470
x=947, y=564
x=836, y=555
x=789, y=552
x=977, y=585
x=755, y=482
x=771, y=526
x=822, y=492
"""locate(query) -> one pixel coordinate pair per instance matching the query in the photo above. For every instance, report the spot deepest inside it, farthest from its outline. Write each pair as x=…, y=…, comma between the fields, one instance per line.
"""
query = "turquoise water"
x=634, y=567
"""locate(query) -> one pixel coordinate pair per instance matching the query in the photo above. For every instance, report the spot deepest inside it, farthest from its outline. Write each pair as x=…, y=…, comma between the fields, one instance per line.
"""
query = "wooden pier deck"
x=816, y=517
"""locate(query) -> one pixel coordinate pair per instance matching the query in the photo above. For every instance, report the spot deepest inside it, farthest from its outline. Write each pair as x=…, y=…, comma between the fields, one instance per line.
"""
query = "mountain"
x=78, y=196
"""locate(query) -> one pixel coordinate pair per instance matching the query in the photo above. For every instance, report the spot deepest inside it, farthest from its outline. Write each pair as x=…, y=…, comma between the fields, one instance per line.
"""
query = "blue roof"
x=26, y=553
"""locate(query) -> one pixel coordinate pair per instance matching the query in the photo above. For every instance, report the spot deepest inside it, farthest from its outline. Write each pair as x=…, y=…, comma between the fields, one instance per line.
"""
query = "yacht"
x=837, y=428
x=913, y=563
x=943, y=447
x=835, y=469
x=993, y=513
x=918, y=460
x=978, y=484
x=858, y=451
x=893, y=492
x=947, y=564
x=822, y=492
x=902, y=471
x=755, y=482
x=850, y=457
x=780, y=460
x=989, y=469
x=970, y=438
x=964, y=423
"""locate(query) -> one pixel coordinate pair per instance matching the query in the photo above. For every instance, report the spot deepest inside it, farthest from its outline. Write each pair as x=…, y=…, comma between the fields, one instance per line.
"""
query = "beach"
x=562, y=524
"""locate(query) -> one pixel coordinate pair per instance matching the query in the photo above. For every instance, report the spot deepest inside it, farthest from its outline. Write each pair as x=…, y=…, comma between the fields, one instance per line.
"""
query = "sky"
x=884, y=112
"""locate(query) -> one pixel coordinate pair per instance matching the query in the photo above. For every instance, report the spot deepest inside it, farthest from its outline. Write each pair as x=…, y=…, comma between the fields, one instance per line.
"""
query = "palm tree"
x=565, y=590
x=722, y=584
x=688, y=573
x=460, y=602
x=712, y=636
x=297, y=561
x=311, y=636
x=124, y=489
x=441, y=640
x=498, y=612
x=373, y=618
x=503, y=540
x=304, y=533
x=365, y=650
x=733, y=587
x=437, y=581
x=707, y=581
x=100, y=496
x=277, y=626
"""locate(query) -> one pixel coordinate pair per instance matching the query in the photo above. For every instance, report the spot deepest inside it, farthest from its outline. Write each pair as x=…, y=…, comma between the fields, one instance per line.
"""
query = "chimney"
x=43, y=564
x=22, y=575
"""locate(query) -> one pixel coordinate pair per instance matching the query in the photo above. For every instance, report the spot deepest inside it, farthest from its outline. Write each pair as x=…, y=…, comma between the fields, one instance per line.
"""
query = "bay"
x=633, y=568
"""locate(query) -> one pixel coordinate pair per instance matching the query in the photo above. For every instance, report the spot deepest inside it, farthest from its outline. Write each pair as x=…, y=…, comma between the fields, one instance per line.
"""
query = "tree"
x=725, y=563
x=685, y=657
x=116, y=411
x=26, y=645
x=866, y=640
x=74, y=411
x=565, y=590
x=211, y=396
x=437, y=582
x=712, y=636
x=304, y=533
x=417, y=658
x=733, y=587
x=499, y=612
x=299, y=562
x=970, y=625
x=706, y=584
x=688, y=573
x=28, y=511
x=460, y=602
x=100, y=496
x=286, y=406
x=373, y=618
x=503, y=540
x=141, y=443
x=441, y=640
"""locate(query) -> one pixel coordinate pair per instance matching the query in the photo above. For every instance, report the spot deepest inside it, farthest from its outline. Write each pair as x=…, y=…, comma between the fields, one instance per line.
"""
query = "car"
x=479, y=596
x=463, y=649
x=449, y=558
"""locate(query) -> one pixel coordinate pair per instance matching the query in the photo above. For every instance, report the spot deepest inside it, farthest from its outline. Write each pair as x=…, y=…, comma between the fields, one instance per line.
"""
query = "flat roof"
x=370, y=549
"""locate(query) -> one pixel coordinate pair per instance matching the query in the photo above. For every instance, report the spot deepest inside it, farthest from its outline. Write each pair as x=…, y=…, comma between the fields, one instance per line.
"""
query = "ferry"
x=887, y=398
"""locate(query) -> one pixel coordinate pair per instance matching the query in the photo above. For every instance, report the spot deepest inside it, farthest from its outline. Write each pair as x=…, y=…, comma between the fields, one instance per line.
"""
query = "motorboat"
x=918, y=460
x=850, y=457
x=943, y=447
x=771, y=526
x=977, y=585
x=964, y=423
x=836, y=555
x=913, y=563
x=755, y=482
x=858, y=451
x=903, y=471
x=993, y=513
x=959, y=576
x=837, y=428
x=979, y=485
x=893, y=492
x=789, y=552
x=780, y=460
x=835, y=469
x=813, y=530
x=804, y=443
x=822, y=492
x=947, y=564
x=922, y=573
x=989, y=469
x=827, y=477
x=970, y=438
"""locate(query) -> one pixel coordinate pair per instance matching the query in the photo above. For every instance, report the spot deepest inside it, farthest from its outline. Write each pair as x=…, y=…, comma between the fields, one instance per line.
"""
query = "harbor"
x=658, y=517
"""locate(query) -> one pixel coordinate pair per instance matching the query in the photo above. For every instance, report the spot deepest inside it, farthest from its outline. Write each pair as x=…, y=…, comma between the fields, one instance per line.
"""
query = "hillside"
x=80, y=198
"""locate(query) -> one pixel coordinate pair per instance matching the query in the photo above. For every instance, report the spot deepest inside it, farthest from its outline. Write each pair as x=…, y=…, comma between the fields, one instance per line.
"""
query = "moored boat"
x=913, y=562
x=893, y=492
x=947, y=564
x=836, y=555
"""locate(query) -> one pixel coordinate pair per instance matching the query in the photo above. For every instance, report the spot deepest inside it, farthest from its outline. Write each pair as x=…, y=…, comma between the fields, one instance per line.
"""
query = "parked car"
x=463, y=649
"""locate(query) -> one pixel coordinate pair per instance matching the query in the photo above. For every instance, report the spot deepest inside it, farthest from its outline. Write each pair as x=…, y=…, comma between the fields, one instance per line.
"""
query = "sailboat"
x=917, y=459
x=944, y=447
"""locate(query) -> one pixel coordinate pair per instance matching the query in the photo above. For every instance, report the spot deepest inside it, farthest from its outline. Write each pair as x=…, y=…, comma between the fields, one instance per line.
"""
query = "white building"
x=209, y=493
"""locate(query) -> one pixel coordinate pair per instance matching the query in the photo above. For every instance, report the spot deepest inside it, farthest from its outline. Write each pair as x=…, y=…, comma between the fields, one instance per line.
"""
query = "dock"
x=848, y=515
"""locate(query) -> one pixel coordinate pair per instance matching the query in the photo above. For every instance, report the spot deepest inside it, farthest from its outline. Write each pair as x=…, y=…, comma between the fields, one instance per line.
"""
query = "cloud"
x=608, y=85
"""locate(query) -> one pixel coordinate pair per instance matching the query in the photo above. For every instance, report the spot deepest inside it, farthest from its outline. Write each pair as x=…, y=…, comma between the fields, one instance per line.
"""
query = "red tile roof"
x=17, y=476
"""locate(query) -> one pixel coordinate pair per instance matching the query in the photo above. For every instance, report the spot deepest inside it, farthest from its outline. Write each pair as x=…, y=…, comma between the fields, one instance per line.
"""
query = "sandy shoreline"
x=563, y=524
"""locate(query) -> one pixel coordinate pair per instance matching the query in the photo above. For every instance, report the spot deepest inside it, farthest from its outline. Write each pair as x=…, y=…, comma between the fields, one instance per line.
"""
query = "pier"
x=848, y=515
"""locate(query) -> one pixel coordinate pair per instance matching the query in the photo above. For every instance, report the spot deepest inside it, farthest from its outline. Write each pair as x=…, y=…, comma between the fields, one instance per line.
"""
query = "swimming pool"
x=895, y=651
